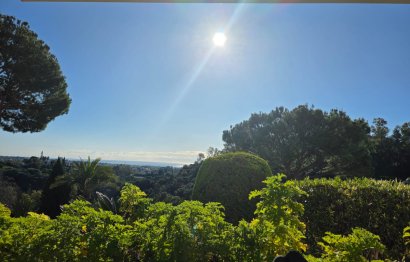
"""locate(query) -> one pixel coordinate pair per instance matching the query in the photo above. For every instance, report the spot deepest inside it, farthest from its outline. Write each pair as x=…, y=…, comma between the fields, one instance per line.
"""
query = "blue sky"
x=147, y=83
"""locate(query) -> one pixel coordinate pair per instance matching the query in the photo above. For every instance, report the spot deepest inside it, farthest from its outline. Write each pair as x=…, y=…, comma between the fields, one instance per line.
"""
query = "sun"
x=219, y=39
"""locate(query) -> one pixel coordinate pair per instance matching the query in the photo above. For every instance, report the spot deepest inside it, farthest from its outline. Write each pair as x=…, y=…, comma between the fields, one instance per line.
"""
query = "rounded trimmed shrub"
x=228, y=179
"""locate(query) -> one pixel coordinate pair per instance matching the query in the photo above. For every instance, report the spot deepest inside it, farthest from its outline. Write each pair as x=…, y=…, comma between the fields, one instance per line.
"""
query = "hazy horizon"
x=108, y=161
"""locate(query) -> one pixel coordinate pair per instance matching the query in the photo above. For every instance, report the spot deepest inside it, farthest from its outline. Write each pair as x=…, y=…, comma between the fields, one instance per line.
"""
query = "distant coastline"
x=111, y=162
x=139, y=163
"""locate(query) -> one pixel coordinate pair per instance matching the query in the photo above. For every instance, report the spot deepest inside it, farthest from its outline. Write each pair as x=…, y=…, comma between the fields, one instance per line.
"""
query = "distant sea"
x=112, y=162
x=140, y=163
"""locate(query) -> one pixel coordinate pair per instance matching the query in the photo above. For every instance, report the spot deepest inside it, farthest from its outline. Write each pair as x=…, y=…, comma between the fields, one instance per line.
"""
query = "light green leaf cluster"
x=190, y=231
x=360, y=245
x=80, y=233
x=406, y=238
x=276, y=229
x=133, y=201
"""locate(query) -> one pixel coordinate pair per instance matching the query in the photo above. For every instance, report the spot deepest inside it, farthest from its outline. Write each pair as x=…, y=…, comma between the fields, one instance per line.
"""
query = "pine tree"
x=33, y=90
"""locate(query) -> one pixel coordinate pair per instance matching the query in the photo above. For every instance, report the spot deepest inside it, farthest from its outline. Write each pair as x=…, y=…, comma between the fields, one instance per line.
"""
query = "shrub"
x=276, y=229
x=190, y=231
x=356, y=246
x=228, y=179
x=193, y=231
x=336, y=205
x=133, y=201
x=80, y=233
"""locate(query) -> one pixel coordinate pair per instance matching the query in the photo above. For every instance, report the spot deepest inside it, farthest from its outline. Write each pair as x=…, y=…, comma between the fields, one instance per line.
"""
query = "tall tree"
x=403, y=139
x=391, y=153
x=53, y=197
x=32, y=86
x=304, y=141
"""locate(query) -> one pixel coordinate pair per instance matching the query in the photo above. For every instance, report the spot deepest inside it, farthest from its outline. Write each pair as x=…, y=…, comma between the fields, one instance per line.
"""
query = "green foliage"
x=276, y=229
x=5, y=214
x=26, y=238
x=86, y=178
x=391, y=154
x=190, y=231
x=228, y=179
x=9, y=193
x=27, y=202
x=53, y=197
x=305, y=142
x=134, y=202
x=80, y=233
x=4, y=211
x=406, y=238
x=26, y=178
x=360, y=245
x=168, y=184
x=32, y=87
x=90, y=235
x=277, y=202
x=336, y=205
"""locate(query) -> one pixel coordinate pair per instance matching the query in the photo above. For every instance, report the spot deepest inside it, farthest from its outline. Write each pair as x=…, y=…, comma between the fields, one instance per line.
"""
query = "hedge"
x=228, y=179
x=337, y=206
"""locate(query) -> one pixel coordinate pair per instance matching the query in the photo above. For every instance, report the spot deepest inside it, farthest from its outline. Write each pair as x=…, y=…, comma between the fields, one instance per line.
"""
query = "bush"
x=357, y=246
x=190, y=231
x=336, y=205
x=80, y=233
x=228, y=179
x=276, y=229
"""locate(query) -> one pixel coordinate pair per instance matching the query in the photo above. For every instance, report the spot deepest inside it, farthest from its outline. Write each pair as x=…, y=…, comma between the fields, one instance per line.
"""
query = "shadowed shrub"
x=336, y=205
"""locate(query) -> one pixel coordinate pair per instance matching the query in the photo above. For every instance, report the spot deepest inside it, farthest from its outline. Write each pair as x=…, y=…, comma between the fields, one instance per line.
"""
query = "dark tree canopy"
x=391, y=153
x=32, y=86
x=54, y=197
x=305, y=142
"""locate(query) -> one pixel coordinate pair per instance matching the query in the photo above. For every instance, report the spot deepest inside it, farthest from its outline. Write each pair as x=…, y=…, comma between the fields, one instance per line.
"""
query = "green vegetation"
x=168, y=184
x=53, y=197
x=21, y=183
x=309, y=142
x=276, y=228
x=228, y=179
x=336, y=205
x=360, y=245
x=88, y=177
x=40, y=184
x=191, y=231
x=32, y=86
x=289, y=215
x=406, y=238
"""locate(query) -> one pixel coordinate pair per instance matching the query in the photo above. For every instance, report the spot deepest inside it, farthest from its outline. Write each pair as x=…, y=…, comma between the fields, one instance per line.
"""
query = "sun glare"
x=219, y=39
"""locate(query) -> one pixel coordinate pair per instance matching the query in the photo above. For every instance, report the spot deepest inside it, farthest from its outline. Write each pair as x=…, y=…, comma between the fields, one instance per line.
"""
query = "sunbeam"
x=187, y=87
x=196, y=72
